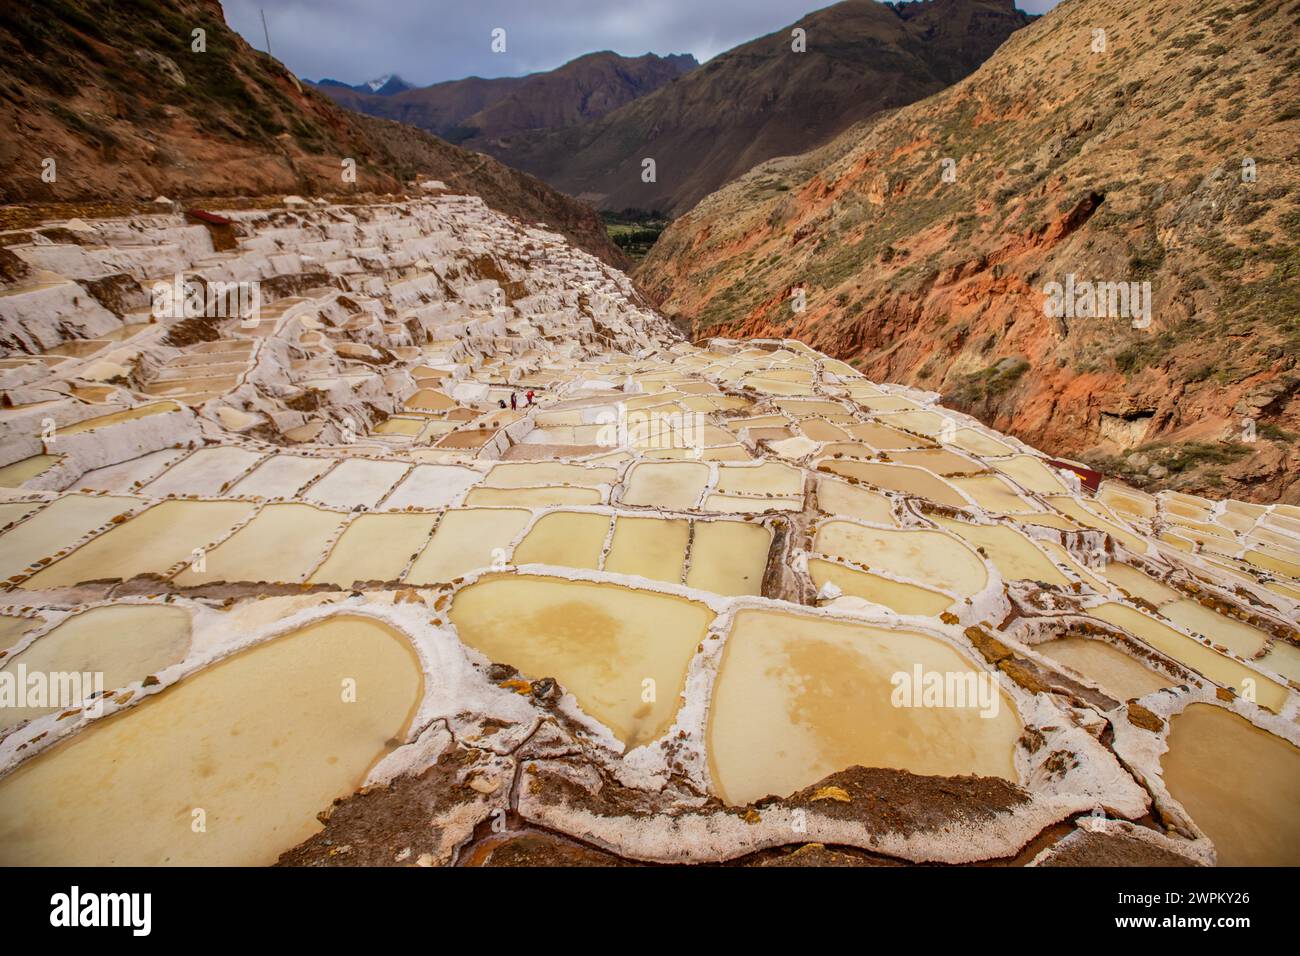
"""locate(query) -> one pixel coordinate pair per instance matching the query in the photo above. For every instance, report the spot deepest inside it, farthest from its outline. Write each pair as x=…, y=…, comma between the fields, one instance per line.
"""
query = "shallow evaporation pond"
x=282, y=543
x=904, y=478
x=124, y=643
x=1239, y=783
x=1013, y=554
x=841, y=498
x=1237, y=636
x=896, y=595
x=993, y=494
x=260, y=742
x=14, y=475
x=1138, y=583
x=1219, y=668
x=673, y=486
x=1030, y=473
x=565, y=538
x=466, y=539
x=115, y=418
x=13, y=628
x=533, y=497
x=602, y=642
x=534, y=474
x=375, y=547
x=729, y=557
x=63, y=522
x=799, y=697
x=929, y=557
x=649, y=546
x=153, y=541
x=1116, y=673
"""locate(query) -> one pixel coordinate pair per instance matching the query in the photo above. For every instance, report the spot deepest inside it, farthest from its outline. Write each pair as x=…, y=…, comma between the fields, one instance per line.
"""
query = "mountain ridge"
x=475, y=111
x=762, y=99
x=1166, y=158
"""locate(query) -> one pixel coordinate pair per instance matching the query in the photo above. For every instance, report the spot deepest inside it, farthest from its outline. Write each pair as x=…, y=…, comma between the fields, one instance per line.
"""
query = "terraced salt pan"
x=568, y=539
x=1275, y=560
x=375, y=547
x=209, y=471
x=400, y=427
x=1031, y=474
x=13, y=628
x=281, y=476
x=536, y=474
x=124, y=643
x=1139, y=584
x=1284, y=659
x=14, y=475
x=799, y=697
x=466, y=539
x=1186, y=650
x=1047, y=520
x=993, y=494
x=283, y=542
x=841, y=498
x=1115, y=672
x=654, y=548
x=976, y=442
x=115, y=418
x=1013, y=554
x=1072, y=509
x=602, y=642
x=12, y=511
x=941, y=461
x=729, y=557
x=128, y=475
x=261, y=742
x=770, y=477
x=431, y=486
x=1064, y=557
x=150, y=542
x=356, y=482
x=532, y=497
x=927, y=557
x=672, y=486
x=736, y=504
x=818, y=429
x=884, y=438
x=896, y=595
x=1237, y=636
x=923, y=423
x=1127, y=500
x=910, y=481
x=62, y=523
x=1240, y=784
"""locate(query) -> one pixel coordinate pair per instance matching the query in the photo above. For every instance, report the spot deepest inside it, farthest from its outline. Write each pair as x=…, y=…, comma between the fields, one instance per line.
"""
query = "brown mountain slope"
x=762, y=99
x=1119, y=166
x=477, y=111
x=115, y=95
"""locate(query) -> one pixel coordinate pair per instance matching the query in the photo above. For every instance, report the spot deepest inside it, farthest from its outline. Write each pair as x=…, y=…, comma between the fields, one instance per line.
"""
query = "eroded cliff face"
x=1150, y=150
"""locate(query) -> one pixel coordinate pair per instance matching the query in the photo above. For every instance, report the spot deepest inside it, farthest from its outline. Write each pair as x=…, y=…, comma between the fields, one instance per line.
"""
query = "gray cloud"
x=427, y=41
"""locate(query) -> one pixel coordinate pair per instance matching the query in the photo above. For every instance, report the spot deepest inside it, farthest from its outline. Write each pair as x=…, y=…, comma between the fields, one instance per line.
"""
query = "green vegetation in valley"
x=634, y=230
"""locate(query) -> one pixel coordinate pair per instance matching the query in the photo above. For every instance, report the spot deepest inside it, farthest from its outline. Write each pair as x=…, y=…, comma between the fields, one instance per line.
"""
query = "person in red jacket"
x=530, y=396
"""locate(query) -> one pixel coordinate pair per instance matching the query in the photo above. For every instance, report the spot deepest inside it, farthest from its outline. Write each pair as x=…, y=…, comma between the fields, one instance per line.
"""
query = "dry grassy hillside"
x=1168, y=158
x=118, y=97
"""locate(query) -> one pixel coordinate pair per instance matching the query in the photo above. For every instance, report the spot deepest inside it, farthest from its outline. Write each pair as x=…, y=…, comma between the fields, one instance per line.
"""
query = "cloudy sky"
x=426, y=41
